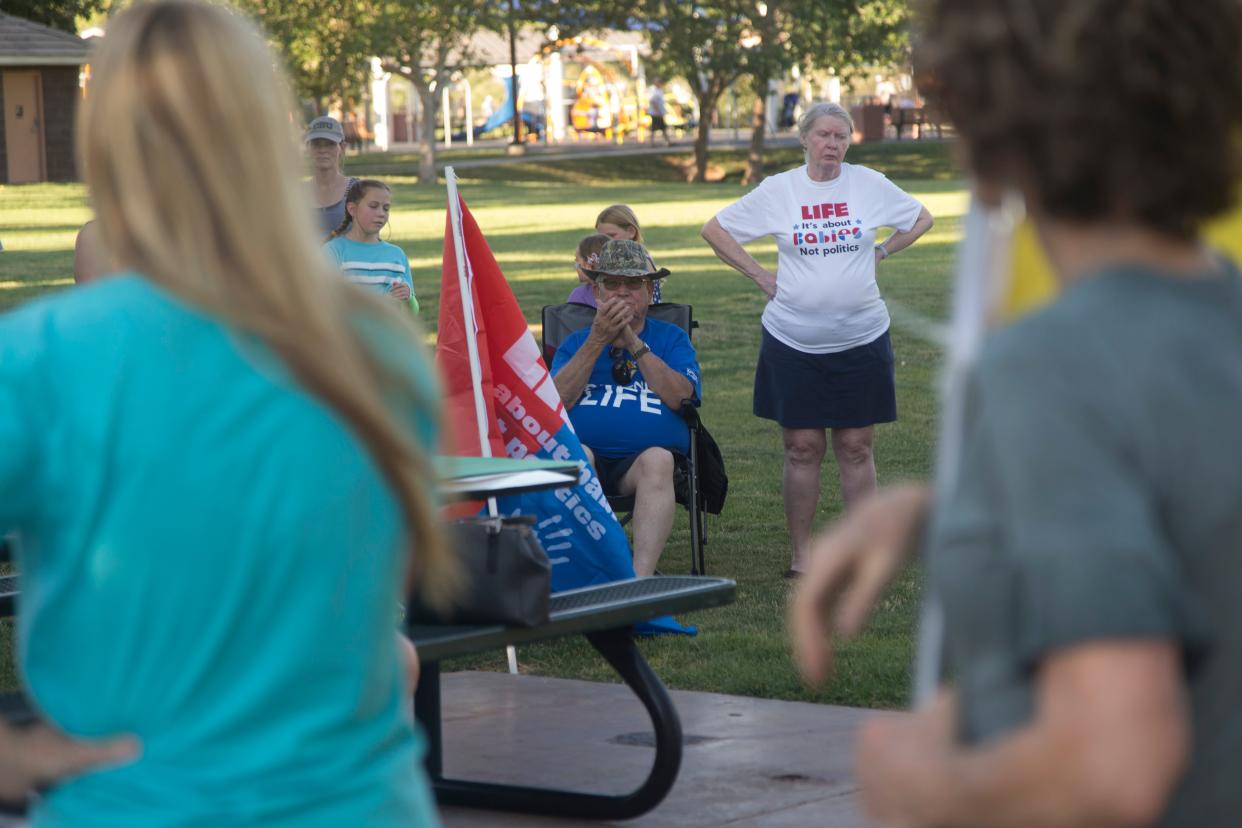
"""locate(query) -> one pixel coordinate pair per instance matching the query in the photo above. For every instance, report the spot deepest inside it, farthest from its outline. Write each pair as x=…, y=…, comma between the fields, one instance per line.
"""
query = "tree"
x=704, y=42
x=59, y=14
x=714, y=43
x=770, y=55
x=326, y=44
x=841, y=35
x=426, y=42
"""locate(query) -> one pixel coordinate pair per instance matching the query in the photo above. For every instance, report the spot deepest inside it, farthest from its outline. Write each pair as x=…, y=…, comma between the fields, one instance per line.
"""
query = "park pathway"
x=748, y=763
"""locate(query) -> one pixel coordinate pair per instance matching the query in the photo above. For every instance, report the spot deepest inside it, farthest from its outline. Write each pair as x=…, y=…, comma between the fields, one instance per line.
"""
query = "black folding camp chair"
x=559, y=321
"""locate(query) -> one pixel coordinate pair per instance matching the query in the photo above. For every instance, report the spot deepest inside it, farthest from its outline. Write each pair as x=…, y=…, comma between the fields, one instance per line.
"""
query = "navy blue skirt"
x=847, y=389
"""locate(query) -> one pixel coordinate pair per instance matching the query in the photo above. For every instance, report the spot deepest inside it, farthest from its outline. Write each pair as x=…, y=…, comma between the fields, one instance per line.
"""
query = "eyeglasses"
x=618, y=285
x=622, y=368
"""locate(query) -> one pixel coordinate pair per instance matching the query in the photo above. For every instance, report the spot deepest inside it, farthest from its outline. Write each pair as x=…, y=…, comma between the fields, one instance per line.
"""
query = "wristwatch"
x=642, y=351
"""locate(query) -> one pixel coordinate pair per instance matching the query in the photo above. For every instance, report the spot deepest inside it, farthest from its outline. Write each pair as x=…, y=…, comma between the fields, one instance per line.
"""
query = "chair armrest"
x=689, y=412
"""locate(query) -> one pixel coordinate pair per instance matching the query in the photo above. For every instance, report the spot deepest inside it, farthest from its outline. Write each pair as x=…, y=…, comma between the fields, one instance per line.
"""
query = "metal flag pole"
x=464, y=280
x=983, y=272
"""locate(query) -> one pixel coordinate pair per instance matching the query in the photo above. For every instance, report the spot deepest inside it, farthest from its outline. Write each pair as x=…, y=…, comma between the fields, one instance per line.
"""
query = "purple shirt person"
x=585, y=258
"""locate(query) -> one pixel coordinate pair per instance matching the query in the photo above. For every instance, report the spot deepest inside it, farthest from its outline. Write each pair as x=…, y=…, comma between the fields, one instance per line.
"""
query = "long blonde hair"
x=188, y=148
x=623, y=216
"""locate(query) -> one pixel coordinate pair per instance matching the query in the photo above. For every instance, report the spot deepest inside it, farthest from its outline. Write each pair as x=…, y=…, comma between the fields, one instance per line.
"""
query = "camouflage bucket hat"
x=625, y=257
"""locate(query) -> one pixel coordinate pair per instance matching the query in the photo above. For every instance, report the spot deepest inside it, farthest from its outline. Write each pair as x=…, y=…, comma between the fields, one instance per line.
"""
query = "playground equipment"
x=531, y=124
x=609, y=93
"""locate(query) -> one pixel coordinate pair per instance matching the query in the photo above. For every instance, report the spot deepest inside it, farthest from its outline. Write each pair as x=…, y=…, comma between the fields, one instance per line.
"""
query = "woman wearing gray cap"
x=325, y=144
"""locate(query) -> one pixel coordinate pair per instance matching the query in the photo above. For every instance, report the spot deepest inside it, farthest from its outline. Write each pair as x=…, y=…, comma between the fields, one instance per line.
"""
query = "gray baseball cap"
x=325, y=127
x=625, y=257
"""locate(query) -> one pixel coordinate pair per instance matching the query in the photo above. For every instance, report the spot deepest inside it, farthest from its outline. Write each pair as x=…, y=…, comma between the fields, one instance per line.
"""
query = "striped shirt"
x=377, y=265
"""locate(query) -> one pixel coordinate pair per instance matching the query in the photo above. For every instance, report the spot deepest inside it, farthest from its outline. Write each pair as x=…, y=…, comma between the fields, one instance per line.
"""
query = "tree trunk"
x=758, y=130
x=427, y=135
x=702, y=134
x=709, y=101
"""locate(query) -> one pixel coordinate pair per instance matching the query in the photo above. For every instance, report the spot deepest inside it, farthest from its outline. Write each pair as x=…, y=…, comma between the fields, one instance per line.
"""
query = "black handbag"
x=506, y=575
x=713, y=481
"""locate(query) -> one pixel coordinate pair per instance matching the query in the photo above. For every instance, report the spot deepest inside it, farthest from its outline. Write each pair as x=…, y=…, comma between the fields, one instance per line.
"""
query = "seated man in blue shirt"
x=623, y=381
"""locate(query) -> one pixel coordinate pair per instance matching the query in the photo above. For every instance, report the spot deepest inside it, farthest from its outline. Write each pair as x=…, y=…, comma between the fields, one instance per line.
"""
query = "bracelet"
x=642, y=351
x=883, y=248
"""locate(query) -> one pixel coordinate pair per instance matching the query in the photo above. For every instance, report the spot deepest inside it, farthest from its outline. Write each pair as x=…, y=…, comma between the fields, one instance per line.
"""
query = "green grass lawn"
x=533, y=215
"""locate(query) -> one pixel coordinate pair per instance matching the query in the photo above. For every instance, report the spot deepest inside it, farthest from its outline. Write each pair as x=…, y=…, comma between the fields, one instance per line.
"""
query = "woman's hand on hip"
x=766, y=281
x=32, y=757
x=852, y=563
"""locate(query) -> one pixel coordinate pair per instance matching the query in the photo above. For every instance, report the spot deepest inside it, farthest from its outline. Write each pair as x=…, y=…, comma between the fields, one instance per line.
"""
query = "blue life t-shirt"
x=210, y=561
x=376, y=265
x=617, y=421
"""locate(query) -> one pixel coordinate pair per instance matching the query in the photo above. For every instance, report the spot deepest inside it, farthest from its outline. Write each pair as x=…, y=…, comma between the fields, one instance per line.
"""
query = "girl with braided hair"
x=356, y=248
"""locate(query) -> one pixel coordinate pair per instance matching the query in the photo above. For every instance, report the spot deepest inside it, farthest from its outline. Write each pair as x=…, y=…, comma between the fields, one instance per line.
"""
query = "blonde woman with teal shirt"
x=214, y=521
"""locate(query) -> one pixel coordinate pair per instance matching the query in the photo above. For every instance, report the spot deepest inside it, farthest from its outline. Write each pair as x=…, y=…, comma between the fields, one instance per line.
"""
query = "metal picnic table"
x=605, y=615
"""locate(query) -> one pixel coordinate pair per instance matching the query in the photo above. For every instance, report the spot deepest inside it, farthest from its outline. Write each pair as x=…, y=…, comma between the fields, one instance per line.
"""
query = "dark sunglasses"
x=623, y=368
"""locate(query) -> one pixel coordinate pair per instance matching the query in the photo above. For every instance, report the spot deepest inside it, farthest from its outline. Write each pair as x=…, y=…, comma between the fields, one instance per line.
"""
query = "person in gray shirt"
x=1088, y=556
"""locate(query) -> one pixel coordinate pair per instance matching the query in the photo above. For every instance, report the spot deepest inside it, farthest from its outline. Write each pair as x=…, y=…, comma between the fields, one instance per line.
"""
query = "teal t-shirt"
x=374, y=265
x=1100, y=498
x=210, y=561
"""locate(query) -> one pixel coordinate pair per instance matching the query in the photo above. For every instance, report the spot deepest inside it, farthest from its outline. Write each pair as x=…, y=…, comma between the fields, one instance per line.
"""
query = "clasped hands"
x=612, y=325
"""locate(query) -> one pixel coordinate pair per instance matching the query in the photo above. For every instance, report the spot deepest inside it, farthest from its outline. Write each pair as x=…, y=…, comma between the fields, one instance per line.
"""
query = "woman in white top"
x=826, y=361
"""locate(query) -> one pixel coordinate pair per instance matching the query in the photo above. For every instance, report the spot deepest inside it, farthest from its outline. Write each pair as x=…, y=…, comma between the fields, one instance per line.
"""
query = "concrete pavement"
x=748, y=763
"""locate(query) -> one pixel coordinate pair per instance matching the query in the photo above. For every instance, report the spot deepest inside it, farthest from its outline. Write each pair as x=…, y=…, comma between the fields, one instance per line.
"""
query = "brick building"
x=39, y=95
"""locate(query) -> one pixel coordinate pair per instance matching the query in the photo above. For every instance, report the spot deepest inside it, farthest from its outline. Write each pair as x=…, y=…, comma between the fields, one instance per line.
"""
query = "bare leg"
x=804, y=454
x=856, y=462
x=650, y=480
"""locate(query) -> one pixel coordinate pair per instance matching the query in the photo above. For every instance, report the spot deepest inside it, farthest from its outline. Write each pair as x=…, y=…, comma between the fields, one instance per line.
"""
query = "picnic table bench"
x=605, y=615
x=919, y=119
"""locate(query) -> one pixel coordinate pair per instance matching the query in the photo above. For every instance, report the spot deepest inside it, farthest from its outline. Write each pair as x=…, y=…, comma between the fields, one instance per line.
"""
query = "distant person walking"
x=826, y=360
x=325, y=145
x=657, y=108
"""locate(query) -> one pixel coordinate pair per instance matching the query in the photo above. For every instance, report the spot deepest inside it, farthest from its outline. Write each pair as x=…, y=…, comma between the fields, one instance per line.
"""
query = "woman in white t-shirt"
x=826, y=361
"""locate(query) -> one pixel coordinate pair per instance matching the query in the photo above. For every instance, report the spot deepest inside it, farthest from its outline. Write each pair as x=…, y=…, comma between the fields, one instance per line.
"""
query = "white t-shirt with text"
x=827, y=299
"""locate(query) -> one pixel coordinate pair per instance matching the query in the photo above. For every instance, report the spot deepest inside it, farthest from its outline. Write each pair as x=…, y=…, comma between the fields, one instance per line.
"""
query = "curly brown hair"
x=1096, y=109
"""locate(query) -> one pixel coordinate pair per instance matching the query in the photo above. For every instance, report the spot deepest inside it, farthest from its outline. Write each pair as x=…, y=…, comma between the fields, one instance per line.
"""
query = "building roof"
x=26, y=43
